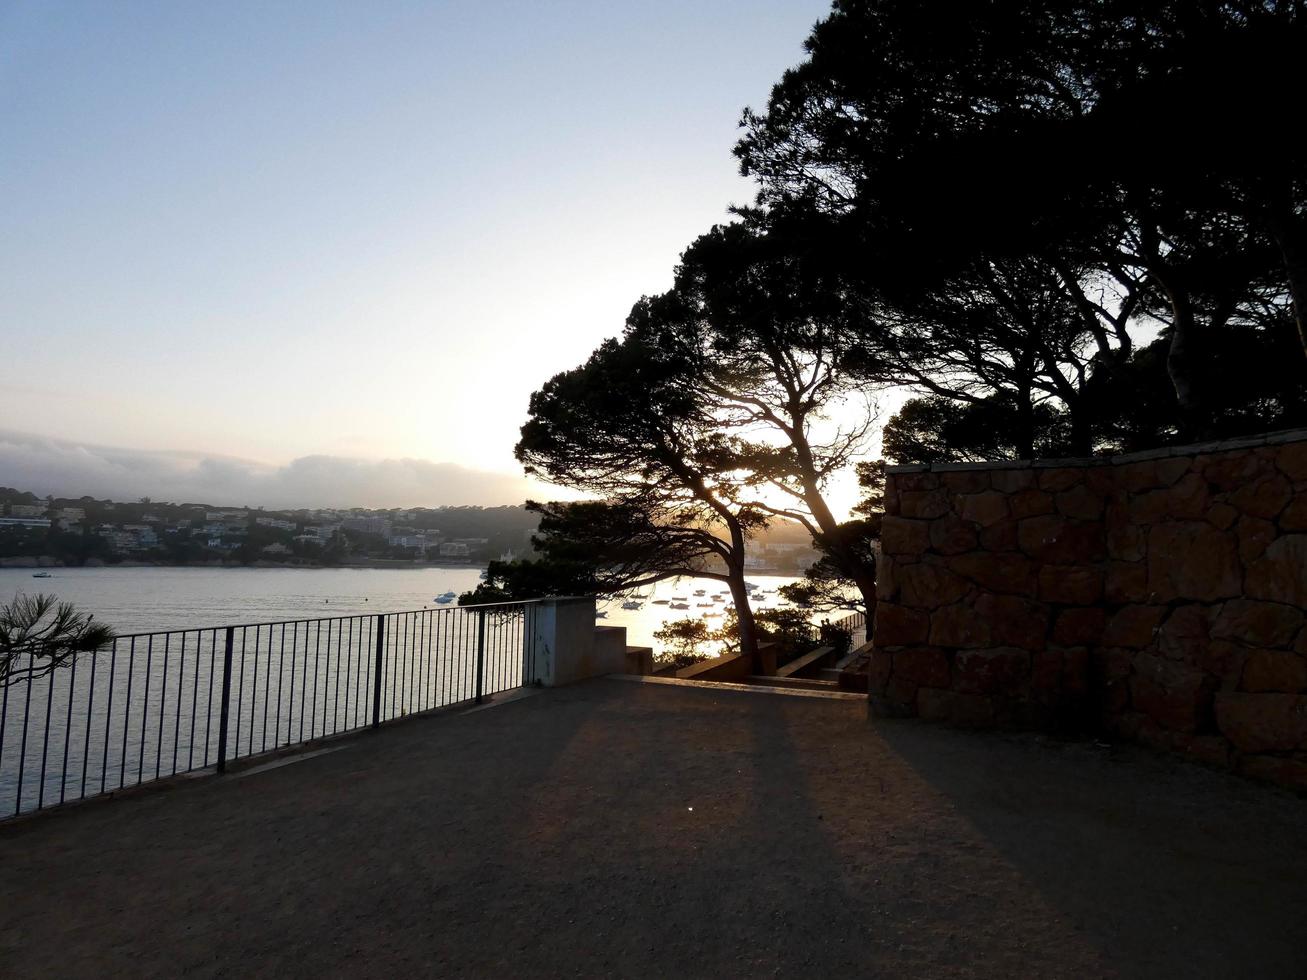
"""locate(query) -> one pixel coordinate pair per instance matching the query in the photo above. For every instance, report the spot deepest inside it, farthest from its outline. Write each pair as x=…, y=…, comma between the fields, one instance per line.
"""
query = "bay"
x=154, y=598
x=149, y=706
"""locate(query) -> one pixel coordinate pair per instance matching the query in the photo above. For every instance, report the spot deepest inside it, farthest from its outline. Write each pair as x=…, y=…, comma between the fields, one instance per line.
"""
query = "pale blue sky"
x=271, y=230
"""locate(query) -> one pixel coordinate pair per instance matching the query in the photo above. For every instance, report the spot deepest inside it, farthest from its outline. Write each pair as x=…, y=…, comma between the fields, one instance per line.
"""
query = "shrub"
x=830, y=635
x=681, y=640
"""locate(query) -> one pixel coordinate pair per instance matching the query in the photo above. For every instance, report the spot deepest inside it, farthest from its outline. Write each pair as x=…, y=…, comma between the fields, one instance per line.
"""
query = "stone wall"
x=1158, y=597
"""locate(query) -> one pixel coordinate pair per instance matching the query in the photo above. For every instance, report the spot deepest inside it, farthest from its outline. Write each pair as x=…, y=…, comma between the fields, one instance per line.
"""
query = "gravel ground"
x=617, y=829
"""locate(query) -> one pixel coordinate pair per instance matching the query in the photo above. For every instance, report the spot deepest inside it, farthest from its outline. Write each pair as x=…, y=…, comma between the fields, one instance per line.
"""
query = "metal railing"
x=853, y=621
x=856, y=624
x=155, y=705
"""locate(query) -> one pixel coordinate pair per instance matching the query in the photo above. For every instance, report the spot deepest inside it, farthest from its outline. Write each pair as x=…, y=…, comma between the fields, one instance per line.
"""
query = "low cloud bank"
x=71, y=469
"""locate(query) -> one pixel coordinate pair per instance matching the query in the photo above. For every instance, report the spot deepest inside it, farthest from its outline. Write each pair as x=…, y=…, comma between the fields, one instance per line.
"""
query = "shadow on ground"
x=640, y=830
x=1169, y=868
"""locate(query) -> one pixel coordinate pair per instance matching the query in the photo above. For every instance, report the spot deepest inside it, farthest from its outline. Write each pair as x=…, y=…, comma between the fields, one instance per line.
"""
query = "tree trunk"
x=866, y=584
x=1291, y=237
x=850, y=564
x=744, y=615
x=1082, y=437
x=1180, y=366
x=1082, y=442
x=1181, y=357
x=1025, y=434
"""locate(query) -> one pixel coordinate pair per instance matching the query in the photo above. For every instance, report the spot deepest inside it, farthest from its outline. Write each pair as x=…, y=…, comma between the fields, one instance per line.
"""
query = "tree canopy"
x=627, y=428
x=1100, y=149
x=1067, y=227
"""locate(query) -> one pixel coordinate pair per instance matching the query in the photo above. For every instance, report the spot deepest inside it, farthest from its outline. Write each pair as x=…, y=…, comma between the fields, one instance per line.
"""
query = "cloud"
x=71, y=469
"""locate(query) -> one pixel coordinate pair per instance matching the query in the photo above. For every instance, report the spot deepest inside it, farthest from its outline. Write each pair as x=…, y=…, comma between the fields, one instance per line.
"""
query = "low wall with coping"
x=1158, y=597
x=727, y=667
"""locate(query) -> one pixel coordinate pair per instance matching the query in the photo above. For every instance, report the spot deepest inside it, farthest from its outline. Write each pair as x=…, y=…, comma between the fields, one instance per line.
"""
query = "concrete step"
x=854, y=653
x=799, y=683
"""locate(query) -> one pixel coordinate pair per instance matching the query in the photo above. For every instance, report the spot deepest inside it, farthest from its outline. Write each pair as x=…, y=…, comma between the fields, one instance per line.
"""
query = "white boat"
x=447, y=597
x=601, y=614
x=41, y=575
x=660, y=602
x=633, y=604
x=700, y=592
x=679, y=605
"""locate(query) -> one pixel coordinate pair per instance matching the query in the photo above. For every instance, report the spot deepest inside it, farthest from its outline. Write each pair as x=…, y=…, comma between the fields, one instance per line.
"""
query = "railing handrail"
x=393, y=664
x=319, y=619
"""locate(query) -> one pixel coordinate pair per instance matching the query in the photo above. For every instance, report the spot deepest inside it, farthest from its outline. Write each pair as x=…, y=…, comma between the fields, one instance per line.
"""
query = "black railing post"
x=528, y=644
x=481, y=653
x=226, y=700
x=376, y=671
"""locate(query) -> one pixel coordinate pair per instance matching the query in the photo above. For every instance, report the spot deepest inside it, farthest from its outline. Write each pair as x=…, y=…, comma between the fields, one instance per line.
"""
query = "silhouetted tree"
x=1251, y=372
x=595, y=547
x=767, y=334
x=937, y=149
x=933, y=429
x=627, y=428
x=1210, y=84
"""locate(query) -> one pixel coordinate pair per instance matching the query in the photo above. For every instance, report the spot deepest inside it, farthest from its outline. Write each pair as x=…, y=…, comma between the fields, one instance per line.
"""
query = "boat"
x=679, y=605
x=446, y=597
x=678, y=598
x=660, y=602
x=633, y=604
x=601, y=614
x=41, y=575
x=704, y=605
x=700, y=592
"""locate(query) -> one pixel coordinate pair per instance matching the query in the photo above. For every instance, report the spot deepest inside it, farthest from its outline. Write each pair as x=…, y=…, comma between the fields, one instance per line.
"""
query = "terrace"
x=663, y=829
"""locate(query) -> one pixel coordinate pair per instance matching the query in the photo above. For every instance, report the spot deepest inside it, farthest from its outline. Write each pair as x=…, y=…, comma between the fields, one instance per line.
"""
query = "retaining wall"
x=1158, y=597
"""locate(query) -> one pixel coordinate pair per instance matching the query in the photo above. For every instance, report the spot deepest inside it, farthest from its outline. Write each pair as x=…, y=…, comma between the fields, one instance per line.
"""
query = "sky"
x=326, y=251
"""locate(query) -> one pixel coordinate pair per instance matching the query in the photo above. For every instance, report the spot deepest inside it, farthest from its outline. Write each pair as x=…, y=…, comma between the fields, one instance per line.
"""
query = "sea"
x=144, y=599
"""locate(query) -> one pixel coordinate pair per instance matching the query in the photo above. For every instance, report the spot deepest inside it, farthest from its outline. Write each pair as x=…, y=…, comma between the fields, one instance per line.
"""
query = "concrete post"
x=565, y=646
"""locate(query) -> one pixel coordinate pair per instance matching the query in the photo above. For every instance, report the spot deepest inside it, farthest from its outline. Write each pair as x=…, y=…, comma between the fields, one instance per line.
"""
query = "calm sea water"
x=140, y=600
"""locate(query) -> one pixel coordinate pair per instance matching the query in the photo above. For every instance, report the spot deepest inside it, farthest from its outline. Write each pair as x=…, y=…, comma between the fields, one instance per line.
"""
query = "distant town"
x=83, y=531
